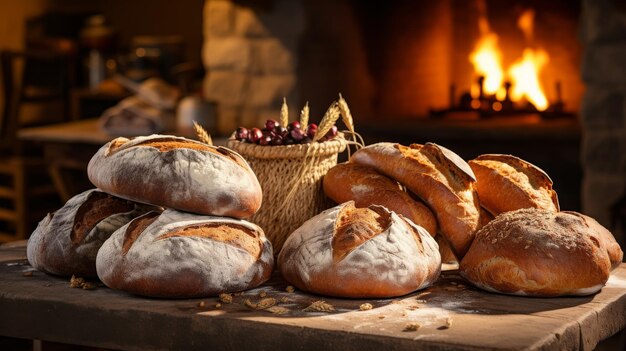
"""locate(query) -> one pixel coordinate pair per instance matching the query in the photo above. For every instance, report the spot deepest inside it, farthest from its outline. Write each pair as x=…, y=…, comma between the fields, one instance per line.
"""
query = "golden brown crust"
x=507, y=183
x=437, y=179
x=537, y=252
x=616, y=255
x=365, y=186
x=136, y=227
x=354, y=226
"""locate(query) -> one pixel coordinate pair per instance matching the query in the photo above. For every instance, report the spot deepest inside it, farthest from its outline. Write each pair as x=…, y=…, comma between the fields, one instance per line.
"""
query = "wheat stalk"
x=345, y=113
x=202, y=134
x=331, y=116
x=304, y=116
x=284, y=114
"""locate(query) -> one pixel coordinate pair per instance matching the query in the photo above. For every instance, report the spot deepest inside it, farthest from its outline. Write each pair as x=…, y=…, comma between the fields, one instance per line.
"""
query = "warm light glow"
x=525, y=77
x=475, y=104
x=487, y=58
x=497, y=106
x=523, y=73
x=475, y=91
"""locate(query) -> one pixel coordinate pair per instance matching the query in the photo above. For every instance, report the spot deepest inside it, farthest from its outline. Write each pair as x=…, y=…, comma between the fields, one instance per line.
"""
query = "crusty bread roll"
x=360, y=252
x=66, y=242
x=537, y=252
x=616, y=255
x=507, y=183
x=177, y=173
x=180, y=255
x=439, y=177
x=351, y=181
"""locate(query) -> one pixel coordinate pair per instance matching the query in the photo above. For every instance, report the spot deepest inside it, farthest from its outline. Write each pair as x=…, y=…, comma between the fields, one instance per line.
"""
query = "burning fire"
x=523, y=74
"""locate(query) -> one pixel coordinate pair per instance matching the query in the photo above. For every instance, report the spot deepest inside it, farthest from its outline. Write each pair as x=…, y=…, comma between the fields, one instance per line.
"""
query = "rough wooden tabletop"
x=451, y=315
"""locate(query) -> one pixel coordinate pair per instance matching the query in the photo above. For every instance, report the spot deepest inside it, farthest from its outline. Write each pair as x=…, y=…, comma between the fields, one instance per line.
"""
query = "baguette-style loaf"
x=439, y=177
x=182, y=255
x=507, y=183
x=66, y=242
x=538, y=252
x=178, y=173
x=360, y=253
x=351, y=181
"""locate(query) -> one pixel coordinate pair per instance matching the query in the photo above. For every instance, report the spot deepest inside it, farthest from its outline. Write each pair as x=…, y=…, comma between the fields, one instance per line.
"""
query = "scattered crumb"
x=226, y=298
x=202, y=304
x=262, y=294
x=494, y=241
x=284, y=299
x=76, y=282
x=89, y=286
x=319, y=306
x=218, y=305
x=410, y=327
x=277, y=310
x=261, y=305
x=413, y=308
x=526, y=247
x=27, y=274
x=381, y=317
x=290, y=289
x=366, y=307
x=404, y=314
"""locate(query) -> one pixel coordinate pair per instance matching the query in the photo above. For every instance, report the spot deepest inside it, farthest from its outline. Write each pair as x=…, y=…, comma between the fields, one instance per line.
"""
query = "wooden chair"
x=26, y=192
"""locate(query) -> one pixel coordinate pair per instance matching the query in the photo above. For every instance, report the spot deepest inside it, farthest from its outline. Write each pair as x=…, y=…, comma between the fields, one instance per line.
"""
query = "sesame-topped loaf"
x=538, y=252
x=181, y=255
x=66, y=242
x=507, y=183
x=178, y=173
x=360, y=253
x=439, y=177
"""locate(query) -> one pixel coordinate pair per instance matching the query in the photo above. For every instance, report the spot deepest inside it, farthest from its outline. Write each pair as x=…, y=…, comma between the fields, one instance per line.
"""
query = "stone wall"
x=250, y=57
x=603, y=113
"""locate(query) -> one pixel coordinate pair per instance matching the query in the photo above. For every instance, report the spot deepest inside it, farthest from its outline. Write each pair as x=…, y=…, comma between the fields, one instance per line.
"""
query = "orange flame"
x=487, y=58
x=524, y=73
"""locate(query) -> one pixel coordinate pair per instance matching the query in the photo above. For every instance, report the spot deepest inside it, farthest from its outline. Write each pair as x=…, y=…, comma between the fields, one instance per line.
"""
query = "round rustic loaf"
x=360, y=253
x=182, y=255
x=66, y=242
x=616, y=255
x=351, y=181
x=507, y=183
x=537, y=252
x=177, y=173
x=439, y=177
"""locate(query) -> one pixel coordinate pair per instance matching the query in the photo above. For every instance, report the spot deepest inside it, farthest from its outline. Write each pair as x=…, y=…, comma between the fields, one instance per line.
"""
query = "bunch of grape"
x=275, y=134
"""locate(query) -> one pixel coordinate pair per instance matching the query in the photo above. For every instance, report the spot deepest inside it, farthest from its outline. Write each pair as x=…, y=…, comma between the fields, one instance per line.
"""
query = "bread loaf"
x=616, y=255
x=507, y=183
x=360, y=252
x=177, y=173
x=350, y=181
x=181, y=255
x=537, y=252
x=66, y=242
x=439, y=177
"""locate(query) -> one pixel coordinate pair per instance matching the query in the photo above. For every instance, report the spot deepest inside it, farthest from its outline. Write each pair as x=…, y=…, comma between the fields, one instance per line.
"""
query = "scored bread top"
x=507, y=183
x=178, y=254
x=66, y=242
x=360, y=252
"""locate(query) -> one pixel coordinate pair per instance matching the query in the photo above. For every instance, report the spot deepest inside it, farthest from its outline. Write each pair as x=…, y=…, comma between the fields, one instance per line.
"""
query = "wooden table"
x=451, y=315
x=68, y=147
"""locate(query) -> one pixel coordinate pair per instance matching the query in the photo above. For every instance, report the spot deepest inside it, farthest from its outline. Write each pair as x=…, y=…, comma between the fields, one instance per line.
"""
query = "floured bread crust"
x=360, y=252
x=439, y=177
x=616, y=255
x=508, y=183
x=177, y=173
x=66, y=242
x=181, y=255
x=351, y=181
x=537, y=252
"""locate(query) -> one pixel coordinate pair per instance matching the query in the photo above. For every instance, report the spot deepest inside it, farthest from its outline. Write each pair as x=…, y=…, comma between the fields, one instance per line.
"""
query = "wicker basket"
x=291, y=179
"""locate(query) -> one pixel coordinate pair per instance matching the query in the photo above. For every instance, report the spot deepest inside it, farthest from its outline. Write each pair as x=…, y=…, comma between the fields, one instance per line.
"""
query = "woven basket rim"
x=330, y=147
